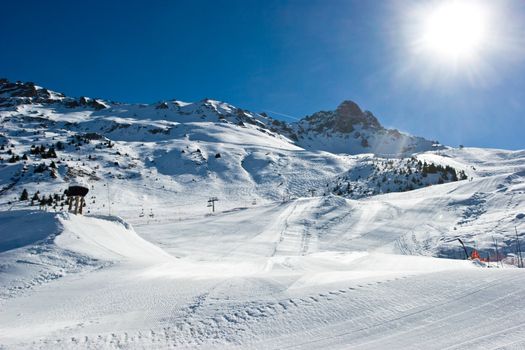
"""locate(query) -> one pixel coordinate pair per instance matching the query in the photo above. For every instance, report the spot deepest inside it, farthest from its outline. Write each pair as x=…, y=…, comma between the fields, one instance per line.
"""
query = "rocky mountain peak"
x=344, y=119
x=23, y=93
x=349, y=112
x=348, y=108
x=15, y=93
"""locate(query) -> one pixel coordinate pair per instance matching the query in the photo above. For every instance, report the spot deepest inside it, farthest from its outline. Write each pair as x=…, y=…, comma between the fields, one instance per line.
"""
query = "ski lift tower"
x=211, y=203
x=76, y=193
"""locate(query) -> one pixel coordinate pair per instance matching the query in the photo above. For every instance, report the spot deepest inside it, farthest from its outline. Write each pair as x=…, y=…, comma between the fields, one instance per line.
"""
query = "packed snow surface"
x=306, y=273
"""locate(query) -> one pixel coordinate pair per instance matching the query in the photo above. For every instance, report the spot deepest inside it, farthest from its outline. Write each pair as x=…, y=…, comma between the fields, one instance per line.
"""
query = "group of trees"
x=447, y=172
x=42, y=152
x=383, y=176
x=39, y=151
x=15, y=158
x=34, y=150
x=80, y=140
x=42, y=167
x=52, y=200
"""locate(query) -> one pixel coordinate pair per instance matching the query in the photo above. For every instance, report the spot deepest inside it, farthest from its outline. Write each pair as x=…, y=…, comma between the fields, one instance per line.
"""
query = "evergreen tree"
x=24, y=196
x=40, y=168
x=432, y=169
x=51, y=153
x=14, y=158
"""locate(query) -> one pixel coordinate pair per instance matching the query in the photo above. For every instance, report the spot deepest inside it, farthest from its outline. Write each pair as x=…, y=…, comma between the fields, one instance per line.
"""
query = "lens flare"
x=455, y=30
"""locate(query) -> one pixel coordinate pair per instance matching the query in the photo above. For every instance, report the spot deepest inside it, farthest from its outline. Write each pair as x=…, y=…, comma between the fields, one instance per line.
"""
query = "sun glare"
x=455, y=29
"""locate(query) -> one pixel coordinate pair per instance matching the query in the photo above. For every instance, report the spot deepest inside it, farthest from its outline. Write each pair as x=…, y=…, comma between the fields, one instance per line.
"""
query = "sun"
x=455, y=29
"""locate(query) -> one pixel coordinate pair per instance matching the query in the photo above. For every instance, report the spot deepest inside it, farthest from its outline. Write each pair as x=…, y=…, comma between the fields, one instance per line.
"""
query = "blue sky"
x=290, y=57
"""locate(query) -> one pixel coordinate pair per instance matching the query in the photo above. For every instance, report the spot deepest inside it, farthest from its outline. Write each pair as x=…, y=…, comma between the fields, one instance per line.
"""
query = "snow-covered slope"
x=165, y=160
x=39, y=247
x=248, y=279
x=308, y=247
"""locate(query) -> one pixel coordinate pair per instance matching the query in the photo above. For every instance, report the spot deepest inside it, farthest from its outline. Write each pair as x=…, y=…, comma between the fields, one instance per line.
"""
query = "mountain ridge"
x=346, y=130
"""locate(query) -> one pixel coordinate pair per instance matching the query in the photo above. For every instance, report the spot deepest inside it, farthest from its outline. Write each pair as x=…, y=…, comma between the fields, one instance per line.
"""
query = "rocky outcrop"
x=18, y=93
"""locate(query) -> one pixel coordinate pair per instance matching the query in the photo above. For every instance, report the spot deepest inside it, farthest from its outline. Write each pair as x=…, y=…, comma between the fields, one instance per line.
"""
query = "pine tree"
x=51, y=153
x=40, y=168
x=14, y=158
x=24, y=196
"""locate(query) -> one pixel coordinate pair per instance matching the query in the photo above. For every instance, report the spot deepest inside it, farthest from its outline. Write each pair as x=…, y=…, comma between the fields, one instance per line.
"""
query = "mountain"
x=347, y=130
x=331, y=229
x=350, y=130
x=190, y=144
x=170, y=151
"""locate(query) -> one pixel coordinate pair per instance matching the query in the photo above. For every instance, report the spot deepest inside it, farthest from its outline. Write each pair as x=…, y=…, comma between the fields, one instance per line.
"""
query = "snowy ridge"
x=346, y=130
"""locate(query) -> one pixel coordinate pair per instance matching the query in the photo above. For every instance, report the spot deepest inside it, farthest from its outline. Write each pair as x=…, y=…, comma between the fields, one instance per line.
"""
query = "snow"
x=223, y=294
x=37, y=226
x=106, y=238
x=275, y=267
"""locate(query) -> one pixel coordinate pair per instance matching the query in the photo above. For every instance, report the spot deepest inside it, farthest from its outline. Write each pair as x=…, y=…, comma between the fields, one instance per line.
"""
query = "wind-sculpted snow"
x=39, y=247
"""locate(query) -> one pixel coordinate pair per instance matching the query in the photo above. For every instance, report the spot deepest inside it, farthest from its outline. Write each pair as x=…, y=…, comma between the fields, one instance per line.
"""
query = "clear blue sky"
x=291, y=57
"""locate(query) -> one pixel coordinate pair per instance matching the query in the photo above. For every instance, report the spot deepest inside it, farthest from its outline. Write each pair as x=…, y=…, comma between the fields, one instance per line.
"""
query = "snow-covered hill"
x=372, y=175
x=332, y=231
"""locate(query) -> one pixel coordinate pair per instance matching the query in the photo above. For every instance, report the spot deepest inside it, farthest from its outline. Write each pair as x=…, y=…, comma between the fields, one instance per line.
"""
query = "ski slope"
x=282, y=263
x=248, y=283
